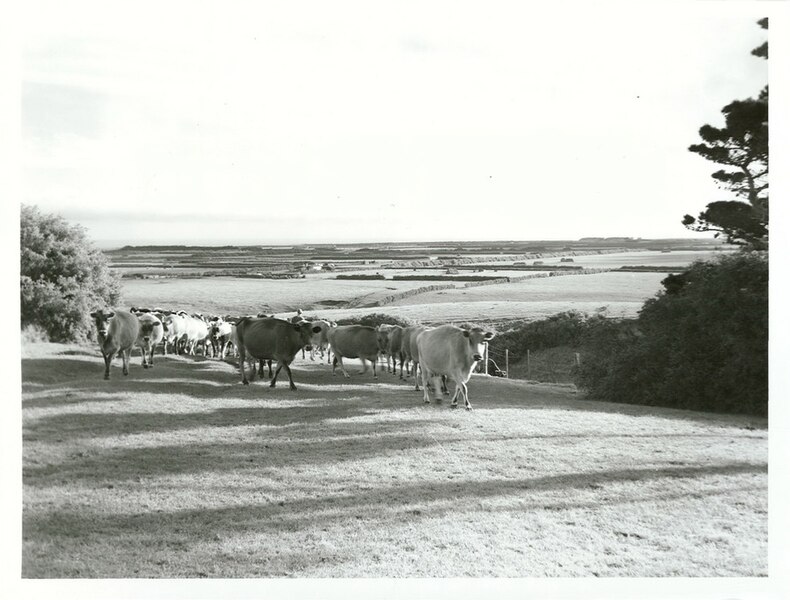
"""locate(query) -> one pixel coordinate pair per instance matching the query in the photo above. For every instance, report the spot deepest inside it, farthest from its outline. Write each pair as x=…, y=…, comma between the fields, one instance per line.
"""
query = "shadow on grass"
x=397, y=503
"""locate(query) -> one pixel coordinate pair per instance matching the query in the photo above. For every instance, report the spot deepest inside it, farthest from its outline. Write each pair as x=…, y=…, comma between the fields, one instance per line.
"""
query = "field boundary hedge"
x=406, y=293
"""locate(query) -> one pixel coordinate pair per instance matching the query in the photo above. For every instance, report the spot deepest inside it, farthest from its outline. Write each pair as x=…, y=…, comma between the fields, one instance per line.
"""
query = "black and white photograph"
x=396, y=299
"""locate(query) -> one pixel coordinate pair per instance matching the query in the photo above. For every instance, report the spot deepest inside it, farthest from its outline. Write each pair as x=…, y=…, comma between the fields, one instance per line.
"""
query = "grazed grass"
x=181, y=471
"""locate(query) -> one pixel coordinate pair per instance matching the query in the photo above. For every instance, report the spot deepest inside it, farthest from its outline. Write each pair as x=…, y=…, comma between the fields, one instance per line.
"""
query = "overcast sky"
x=236, y=122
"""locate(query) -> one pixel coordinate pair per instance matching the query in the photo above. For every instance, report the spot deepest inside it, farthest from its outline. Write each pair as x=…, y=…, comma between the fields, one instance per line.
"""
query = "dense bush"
x=562, y=329
x=63, y=277
x=701, y=344
x=376, y=319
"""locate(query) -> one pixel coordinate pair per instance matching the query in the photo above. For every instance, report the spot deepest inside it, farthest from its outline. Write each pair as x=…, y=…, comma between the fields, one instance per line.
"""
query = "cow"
x=451, y=351
x=175, y=327
x=383, y=340
x=353, y=341
x=117, y=334
x=410, y=351
x=320, y=341
x=394, y=346
x=197, y=334
x=272, y=339
x=220, y=331
x=150, y=334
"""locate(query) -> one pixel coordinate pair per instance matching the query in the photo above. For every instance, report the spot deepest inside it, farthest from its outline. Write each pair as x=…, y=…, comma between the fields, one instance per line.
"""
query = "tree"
x=741, y=146
x=63, y=276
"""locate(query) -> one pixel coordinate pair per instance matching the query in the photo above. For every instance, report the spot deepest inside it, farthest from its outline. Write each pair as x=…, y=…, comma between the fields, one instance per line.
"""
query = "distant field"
x=597, y=287
x=625, y=259
x=622, y=294
x=229, y=295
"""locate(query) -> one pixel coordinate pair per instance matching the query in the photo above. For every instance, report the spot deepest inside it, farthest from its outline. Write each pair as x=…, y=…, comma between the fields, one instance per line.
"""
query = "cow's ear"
x=488, y=335
x=466, y=333
x=316, y=329
x=110, y=315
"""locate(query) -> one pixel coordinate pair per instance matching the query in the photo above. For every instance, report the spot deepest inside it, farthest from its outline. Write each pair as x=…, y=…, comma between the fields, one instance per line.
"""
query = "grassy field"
x=181, y=471
x=621, y=293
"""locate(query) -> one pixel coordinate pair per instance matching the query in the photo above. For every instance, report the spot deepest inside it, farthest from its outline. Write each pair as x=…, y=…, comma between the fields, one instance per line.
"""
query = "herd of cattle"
x=438, y=353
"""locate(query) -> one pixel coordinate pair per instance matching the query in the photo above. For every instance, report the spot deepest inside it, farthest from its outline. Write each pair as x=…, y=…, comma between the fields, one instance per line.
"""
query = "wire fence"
x=555, y=365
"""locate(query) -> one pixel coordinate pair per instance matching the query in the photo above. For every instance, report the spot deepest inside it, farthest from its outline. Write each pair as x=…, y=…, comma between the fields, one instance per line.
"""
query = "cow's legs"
x=339, y=359
x=242, y=359
x=414, y=366
x=287, y=370
x=425, y=397
x=126, y=356
x=151, y=360
x=107, y=362
x=280, y=365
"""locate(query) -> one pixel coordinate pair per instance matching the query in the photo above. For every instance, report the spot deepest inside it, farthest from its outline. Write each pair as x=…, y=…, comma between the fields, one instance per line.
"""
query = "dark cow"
x=394, y=350
x=272, y=339
x=353, y=341
x=454, y=352
x=151, y=333
x=117, y=333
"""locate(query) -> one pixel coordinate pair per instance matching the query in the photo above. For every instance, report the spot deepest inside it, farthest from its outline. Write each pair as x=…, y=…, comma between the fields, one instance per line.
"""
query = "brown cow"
x=117, y=333
x=272, y=339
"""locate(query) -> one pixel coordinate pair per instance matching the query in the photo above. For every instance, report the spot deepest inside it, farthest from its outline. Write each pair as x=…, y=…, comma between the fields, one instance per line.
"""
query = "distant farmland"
x=321, y=292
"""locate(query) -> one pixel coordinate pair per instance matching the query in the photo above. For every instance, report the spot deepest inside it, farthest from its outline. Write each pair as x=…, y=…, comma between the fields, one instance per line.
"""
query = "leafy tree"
x=63, y=276
x=741, y=146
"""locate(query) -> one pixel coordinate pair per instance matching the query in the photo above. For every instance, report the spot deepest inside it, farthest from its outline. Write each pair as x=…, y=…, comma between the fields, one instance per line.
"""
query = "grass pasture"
x=181, y=471
x=622, y=294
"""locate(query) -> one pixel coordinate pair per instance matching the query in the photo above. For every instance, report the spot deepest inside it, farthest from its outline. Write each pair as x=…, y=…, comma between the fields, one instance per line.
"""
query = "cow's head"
x=306, y=329
x=477, y=338
x=383, y=337
x=149, y=328
x=102, y=319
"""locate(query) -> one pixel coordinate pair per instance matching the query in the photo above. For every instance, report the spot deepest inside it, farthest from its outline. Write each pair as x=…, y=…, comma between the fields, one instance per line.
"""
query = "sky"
x=299, y=122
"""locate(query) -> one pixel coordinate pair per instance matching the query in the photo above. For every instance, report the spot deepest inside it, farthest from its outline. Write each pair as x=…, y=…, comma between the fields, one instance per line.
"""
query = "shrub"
x=63, y=277
x=562, y=329
x=700, y=344
x=376, y=319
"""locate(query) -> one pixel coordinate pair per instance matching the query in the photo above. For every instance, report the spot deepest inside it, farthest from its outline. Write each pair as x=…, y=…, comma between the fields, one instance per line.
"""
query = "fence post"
x=485, y=353
x=507, y=363
x=528, y=366
x=578, y=362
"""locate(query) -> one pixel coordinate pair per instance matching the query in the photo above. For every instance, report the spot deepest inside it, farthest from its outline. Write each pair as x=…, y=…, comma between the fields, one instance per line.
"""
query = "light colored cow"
x=353, y=341
x=220, y=331
x=117, y=334
x=411, y=352
x=197, y=334
x=320, y=341
x=151, y=333
x=175, y=325
x=451, y=351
